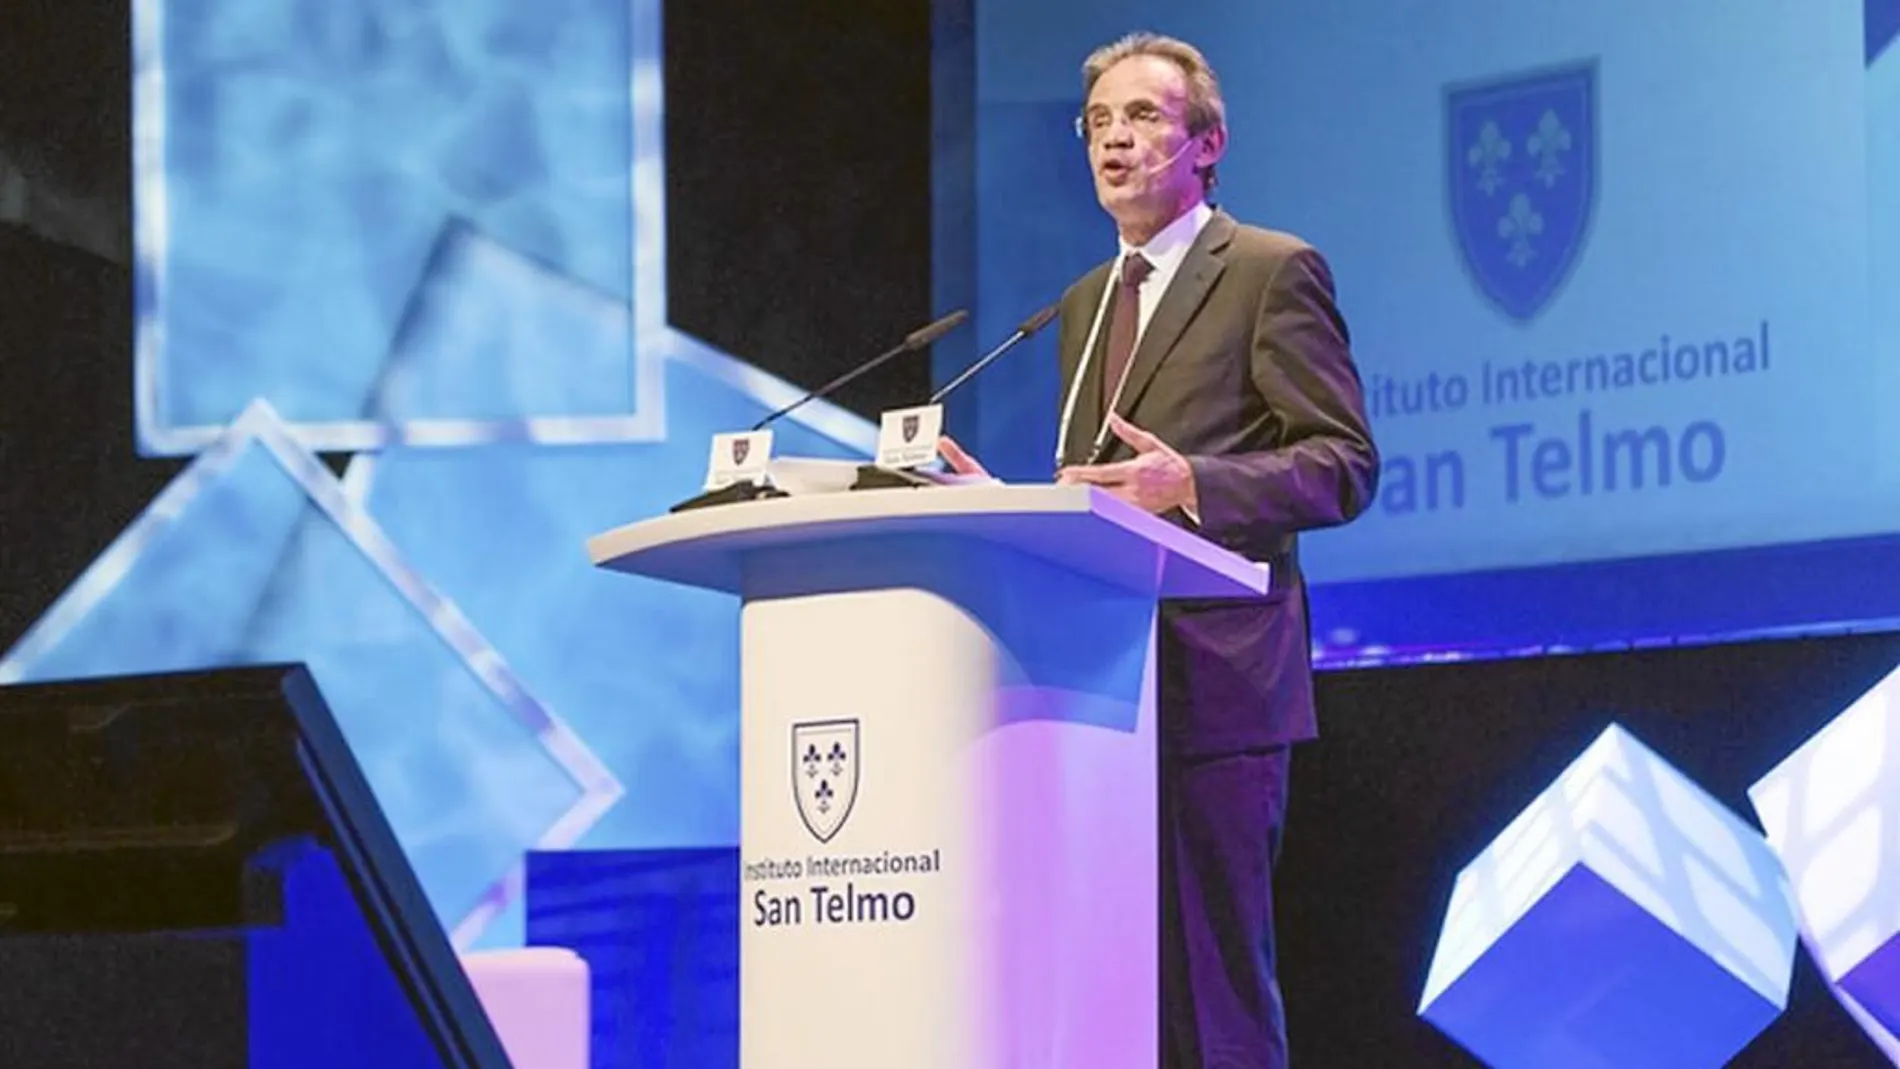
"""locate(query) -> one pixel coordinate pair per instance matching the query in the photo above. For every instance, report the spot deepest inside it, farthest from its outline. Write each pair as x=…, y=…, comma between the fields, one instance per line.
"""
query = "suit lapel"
x=1088, y=404
x=1199, y=270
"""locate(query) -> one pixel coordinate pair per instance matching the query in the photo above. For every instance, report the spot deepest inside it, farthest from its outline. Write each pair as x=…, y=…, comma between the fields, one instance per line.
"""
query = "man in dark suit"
x=1208, y=378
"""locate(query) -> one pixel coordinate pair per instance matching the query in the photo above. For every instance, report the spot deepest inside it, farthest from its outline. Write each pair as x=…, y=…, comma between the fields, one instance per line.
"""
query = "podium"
x=948, y=767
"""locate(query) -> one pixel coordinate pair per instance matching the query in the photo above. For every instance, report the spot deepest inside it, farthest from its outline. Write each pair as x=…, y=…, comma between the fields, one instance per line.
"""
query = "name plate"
x=907, y=437
x=739, y=457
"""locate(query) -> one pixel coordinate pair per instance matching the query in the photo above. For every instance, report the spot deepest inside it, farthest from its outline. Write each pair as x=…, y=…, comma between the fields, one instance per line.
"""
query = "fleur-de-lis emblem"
x=1519, y=226
x=1520, y=158
x=825, y=773
x=1551, y=141
x=1487, y=153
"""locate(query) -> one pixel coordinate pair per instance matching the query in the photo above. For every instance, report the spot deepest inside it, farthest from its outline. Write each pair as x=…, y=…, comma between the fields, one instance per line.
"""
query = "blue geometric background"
x=432, y=232
x=254, y=556
x=1883, y=26
x=307, y=174
x=646, y=673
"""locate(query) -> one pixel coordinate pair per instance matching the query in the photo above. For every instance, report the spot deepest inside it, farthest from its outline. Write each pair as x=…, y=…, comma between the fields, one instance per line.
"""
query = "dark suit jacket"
x=1246, y=370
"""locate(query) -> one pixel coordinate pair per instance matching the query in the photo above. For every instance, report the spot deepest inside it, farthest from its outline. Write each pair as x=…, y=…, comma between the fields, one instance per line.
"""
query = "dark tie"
x=1123, y=328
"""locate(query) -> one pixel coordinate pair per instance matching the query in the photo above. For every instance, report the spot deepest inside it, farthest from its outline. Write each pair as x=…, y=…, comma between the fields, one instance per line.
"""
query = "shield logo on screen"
x=1522, y=156
x=825, y=774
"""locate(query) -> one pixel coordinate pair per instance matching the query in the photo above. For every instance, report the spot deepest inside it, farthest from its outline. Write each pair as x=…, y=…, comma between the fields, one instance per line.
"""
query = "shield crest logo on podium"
x=911, y=423
x=1521, y=155
x=741, y=448
x=825, y=774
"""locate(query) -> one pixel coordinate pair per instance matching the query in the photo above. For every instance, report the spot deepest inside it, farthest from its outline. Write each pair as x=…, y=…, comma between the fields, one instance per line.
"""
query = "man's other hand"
x=960, y=462
x=1156, y=480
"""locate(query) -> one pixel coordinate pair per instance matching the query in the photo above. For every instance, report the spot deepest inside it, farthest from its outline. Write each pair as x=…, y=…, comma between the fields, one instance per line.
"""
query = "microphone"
x=1169, y=162
x=930, y=413
x=746, y=490
x=1028, y=327
x=920, y=338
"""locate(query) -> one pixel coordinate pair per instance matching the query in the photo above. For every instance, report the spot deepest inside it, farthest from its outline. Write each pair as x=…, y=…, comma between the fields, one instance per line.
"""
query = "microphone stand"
x=872, y=477
x=751, y=491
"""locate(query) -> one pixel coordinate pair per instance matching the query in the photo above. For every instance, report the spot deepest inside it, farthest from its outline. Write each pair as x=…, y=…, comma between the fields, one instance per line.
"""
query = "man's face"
x=1139, y=149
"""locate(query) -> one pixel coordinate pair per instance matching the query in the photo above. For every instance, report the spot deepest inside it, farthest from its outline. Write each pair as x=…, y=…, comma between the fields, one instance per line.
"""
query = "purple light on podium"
x=1832, y=813
x=1624, y=919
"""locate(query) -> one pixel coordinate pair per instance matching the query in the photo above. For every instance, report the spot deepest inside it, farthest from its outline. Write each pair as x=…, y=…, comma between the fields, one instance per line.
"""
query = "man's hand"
x=1156, y=480
x=960, y=462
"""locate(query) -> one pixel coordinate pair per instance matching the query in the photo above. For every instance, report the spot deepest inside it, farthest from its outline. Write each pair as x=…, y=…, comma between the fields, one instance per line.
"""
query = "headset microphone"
x=1169, y=162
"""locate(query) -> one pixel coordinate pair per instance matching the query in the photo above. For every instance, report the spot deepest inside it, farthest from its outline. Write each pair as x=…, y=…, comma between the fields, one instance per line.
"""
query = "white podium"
x=948, y=767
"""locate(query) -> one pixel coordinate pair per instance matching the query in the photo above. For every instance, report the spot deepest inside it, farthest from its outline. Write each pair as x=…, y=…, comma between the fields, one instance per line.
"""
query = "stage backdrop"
x=436, y=236
x=1621, y=280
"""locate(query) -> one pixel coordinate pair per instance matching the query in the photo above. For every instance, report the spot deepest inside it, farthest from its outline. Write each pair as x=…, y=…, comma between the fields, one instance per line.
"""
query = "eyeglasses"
x=1141, y=114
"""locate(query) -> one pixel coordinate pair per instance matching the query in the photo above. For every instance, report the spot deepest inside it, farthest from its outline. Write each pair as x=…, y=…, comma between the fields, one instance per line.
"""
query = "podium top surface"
x=1075, y=527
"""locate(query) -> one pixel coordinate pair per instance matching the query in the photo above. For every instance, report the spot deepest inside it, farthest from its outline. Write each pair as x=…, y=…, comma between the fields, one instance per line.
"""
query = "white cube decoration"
x=1832, y=813
x=1624, y=919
